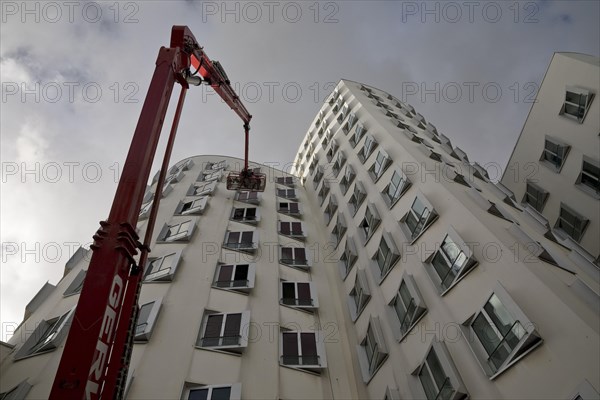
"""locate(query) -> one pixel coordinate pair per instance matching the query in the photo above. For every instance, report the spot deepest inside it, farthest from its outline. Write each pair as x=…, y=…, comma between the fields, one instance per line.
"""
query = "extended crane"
x=95, y=359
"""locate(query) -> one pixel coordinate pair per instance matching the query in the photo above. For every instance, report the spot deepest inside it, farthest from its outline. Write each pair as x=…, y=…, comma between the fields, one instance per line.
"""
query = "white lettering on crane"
x=105, y=338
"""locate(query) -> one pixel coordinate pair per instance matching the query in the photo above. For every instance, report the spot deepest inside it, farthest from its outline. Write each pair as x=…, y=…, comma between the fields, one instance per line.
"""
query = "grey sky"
x=471, y=68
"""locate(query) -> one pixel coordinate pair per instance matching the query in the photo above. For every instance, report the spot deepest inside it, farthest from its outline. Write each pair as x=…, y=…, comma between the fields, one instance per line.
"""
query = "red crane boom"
x=95, y=359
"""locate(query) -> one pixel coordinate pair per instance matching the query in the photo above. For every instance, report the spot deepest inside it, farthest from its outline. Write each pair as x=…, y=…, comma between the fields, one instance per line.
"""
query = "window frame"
x=144, y=336
x=430, y=218
x=330, y=209
x=582, y=109
x=379, y=272
x=57, y=326
x=370, y=365
x=314, y=300
x=399, y=329
x=459, y=391
x=347, y=179
x=368, y=148
x=290, y=193
x=17, y=392
x=76, y=284
x=323, y=192
x=469, y=263
x=250, y=277
x=288, y=181
x=399, y=191
x=194, y=209
x=245, y=220
x=206, y=188
x=369, y=224
x=339, y=229
x=339, y=163
x=171, y=270
x=293, y=262
x=234, y=394
x=548, y=154
x=358, y=134
x=584, y=186
x=379, y=166
x=359, y=194
x=240, y=245
x=348, y=258
x=319, y=345
x=291, y=234
x=231, y=348
x=359, y=295
x=248, y=197
x=582, y=221
x=163, y=238
x=530, y=340
x=289, y=212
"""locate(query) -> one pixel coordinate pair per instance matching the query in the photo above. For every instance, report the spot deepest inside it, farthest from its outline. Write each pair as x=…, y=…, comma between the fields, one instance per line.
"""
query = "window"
x=577, y=103
x=438, y=376
x=248, y=197
x=420, y=216
x=500, y=334
x=398, y=185
x=348, y=125
x=386, y=256
x=450, y=263
x=246, y=214
x=286, y=180
x=535, y=196
x=372, y=351
x=294, y=256
x=166, y=189
x=77, y=284
x=302, y=350
x=347, y=179
x=217, y=165
x=213, y=392
x=299, y=294
x=239, y=277
x=571, y=222
x=145, y=210
x=201, y=189
x=589, y=178
x=318, y=176
x=332, y=150
x=287, y=193
x=331, y=208
x=293, y=229
x=339, y=229
x=175, y=176
x=46, y=336
x=177, y=232
x=162, y=269
x=227, y=332
x=358, y=196
x=359, y=295
x=407, y=307
x=369, y=223
x=245, y=241
x=343, y=113
x=554, y=154
x=146, y=319
x=196, y=206
x=348, y=257
x=359, y=132
x=368, y=147
x=323, y=192
x=18, y=392
x=339, y=163
x=210, y=176
x=289, y=208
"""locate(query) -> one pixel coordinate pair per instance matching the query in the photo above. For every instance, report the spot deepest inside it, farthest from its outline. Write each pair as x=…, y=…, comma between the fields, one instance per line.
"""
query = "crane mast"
x=95, y=359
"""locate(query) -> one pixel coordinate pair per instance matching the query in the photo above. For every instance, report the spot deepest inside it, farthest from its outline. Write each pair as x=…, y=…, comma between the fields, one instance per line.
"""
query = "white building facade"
x=387, y=266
